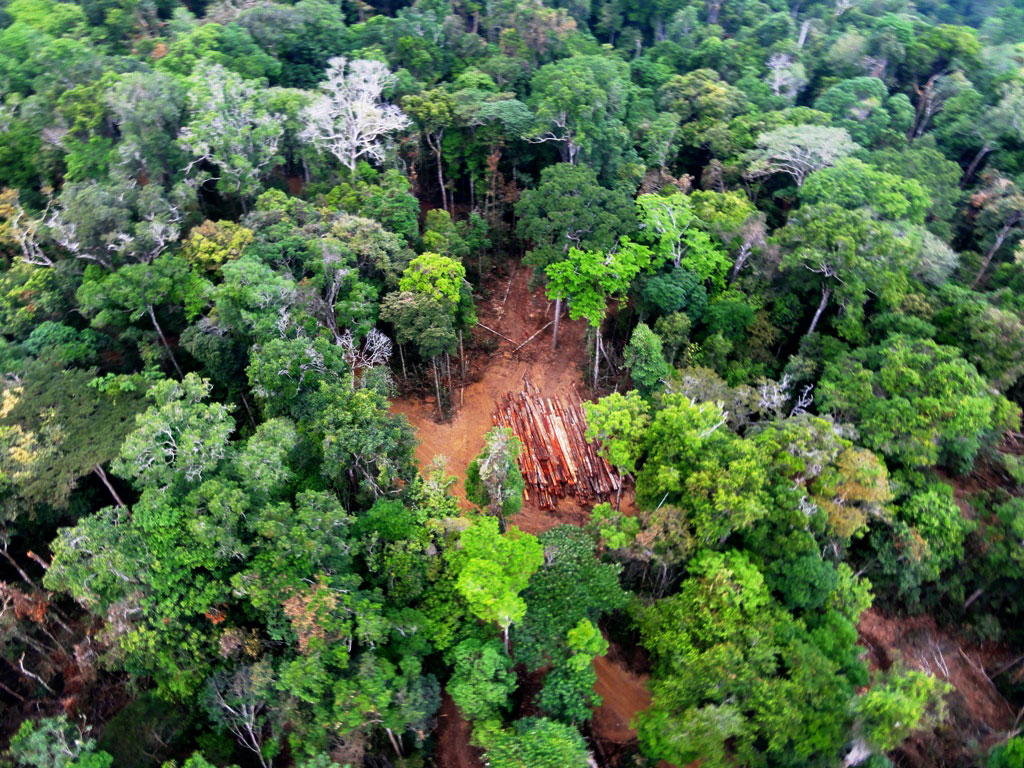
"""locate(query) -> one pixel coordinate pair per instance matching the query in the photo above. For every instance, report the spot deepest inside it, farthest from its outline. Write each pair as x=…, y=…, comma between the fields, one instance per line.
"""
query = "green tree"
x=571, y=586
x=915, y=402
x=854, y=255
x=179, y=436
x=863, y=106
x=678, y=235
x=588, y=279
x=493, y=479
x=619, y=423
x=897, y=705
x=537, y=743
x=53, y=742
x=644, y=359
x=493, y=569
x=581, y=105
x=730, y=666
x=851, y=183
x=66, y=427
x=569, y=209
x=568, y=692
x=482, y=679
x=433, y=112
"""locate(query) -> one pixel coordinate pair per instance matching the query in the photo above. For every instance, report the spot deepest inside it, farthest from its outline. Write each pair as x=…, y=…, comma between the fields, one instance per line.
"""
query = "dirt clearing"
x=515, y=312
x=979, y=716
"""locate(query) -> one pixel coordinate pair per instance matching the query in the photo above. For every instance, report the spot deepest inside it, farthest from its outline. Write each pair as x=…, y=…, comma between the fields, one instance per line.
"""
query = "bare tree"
x=238, y=702
x=349, y=119
x=786, y=77
x=232, y=129
x=375, y=350
x=798, y=150
x=23, y=229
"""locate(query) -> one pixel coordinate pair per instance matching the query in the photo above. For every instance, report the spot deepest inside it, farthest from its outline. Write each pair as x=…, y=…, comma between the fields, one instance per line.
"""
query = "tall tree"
x=493, y=479
x=350, y=120
x=232, y=130
x=588, y=279
x=433, y=111
x=798, y=151
x=569, y=209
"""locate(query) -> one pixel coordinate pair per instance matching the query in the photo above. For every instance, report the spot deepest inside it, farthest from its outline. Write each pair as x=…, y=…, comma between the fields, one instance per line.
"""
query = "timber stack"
x=557, y=461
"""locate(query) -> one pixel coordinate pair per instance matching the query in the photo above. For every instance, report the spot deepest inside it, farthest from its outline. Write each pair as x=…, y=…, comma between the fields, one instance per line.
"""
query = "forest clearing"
x=511, y=384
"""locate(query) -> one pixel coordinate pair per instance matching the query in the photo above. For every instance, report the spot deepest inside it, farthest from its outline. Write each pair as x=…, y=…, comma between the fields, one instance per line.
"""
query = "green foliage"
x=56, y=428
x=680, y=237
x=572, y=586
x=482, y=680
x=493, y=569
x=568, y=692
x=618, y=422
x=536, y=743
x=1008, y=755
x=901, y=703
x=569, y=209
x=493, y=478
x=723, y=639
x=914, y=401
x=179, y=437
x=434, y=276
x=862, y=106
x=53, y=742
x=644, y=358
x=588, y=279
x=851, y=183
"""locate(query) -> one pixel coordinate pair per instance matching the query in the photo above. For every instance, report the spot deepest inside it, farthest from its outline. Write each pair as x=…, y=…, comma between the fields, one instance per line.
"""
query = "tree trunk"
x=969, y=173
x=163, y=340
x=248, y=410
x=506, y=641
x=804, y=29
x=98, y=469
x=437, y=385
x=741, y=259
x=25, y=577
x=394, y=742
x=825, y=294
x=554, y=333
x=462, y=356
x=1000, y=239
x=401, y=355
x=597, y=354
x=435, y=144
x=448, y=367
x=713, y=10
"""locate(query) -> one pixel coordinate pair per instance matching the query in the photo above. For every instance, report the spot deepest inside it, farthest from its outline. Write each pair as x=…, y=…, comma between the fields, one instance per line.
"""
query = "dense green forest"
x=788, y=239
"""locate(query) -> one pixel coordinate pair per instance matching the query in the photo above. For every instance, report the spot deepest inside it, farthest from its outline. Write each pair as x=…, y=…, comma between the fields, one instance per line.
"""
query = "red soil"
x=453, y=747
x=978, y=713
x=515, y=312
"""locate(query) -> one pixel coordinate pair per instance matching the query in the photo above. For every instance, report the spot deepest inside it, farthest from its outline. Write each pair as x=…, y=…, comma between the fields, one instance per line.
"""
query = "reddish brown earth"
x=979, y=716
x=515, y=312
x=453, y=747
x=624, y=693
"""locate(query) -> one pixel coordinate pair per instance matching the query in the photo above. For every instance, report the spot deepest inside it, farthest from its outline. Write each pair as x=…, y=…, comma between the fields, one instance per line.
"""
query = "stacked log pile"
x=556, y=459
